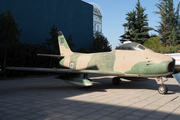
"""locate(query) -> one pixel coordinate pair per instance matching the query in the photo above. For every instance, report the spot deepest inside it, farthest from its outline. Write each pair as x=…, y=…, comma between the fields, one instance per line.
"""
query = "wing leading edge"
x=108, y=73
x=50, y=55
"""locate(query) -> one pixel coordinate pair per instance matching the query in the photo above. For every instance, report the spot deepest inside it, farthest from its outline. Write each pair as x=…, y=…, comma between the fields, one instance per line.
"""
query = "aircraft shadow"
x=100, y=84
x=106, y=83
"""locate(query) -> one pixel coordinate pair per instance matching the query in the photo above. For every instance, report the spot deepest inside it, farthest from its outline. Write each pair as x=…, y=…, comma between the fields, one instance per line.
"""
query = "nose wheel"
x=162, y=89
x=116, y=81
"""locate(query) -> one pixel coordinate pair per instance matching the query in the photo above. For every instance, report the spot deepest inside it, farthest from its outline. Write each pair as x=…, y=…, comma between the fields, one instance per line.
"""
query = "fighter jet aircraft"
x=131, y=61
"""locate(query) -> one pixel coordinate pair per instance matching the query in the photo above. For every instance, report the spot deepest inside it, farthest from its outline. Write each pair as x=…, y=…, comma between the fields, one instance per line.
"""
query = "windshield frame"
x=133, y=47
x=140, y=47
x=127, y=46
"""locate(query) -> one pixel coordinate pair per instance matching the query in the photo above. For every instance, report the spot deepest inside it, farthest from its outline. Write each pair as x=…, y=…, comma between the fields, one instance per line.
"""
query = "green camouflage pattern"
x=116, y=62
x=121, y=63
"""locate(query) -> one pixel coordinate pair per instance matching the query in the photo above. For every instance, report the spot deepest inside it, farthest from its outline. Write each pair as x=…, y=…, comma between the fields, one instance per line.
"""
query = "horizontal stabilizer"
x=50, y=55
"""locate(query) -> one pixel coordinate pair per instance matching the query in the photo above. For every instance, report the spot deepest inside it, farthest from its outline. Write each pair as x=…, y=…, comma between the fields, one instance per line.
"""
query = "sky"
x=114, y=14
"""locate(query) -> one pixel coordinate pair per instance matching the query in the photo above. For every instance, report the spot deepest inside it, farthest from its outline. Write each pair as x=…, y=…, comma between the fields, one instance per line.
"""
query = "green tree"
x=52, y=43
x=83, y=50
x=9, y=34
x=153, y=43
x=164, y=27
x=70, y=42
x=177, y=23
x=169, y=28
x=137, y=25
x=100, y=43
x=172, y=40
x=129, y=26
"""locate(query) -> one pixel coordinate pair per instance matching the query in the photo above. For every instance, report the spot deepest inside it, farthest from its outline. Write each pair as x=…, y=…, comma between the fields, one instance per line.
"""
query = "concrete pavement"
x=48, y=98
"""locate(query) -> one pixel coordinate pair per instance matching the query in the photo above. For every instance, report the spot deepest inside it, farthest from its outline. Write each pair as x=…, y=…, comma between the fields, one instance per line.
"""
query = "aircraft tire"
x=115, y=81
x=163, y=89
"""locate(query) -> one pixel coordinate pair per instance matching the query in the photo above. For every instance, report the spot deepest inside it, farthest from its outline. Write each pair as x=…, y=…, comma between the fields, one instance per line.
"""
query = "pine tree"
x=169, y=28
x=177, y=23
x=100, y=43
x=9, y=35
x=129, y=26
x=52, y=43
x=70, y=42
x=164, y=27
x=172, y=40
x=137, y=25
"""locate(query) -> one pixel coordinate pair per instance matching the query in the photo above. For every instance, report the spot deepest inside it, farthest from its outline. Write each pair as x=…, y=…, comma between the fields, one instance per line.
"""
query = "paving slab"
x=49, y=98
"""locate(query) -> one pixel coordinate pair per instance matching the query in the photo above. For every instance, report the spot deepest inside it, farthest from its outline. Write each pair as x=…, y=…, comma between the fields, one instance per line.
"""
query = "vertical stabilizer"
x=63, y=46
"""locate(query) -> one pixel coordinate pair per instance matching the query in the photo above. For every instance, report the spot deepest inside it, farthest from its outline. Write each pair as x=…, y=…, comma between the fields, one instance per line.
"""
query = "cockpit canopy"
x=131, y=46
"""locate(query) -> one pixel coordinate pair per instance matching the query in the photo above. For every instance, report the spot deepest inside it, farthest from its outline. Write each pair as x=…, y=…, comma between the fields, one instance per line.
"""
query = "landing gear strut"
x=116, y=81
x=85, y=76
x=162, y=88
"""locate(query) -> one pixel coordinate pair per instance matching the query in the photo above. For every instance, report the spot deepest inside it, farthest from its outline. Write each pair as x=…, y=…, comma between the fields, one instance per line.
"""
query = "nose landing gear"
x=162, y=89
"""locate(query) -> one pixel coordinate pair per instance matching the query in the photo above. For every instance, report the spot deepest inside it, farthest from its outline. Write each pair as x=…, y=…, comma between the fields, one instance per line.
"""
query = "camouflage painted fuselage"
x=118, y=62
x=130, y=61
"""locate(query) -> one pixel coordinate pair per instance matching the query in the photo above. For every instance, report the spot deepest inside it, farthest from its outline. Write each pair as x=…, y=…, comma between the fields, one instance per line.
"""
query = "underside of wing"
x=98, y=72
x=50, y=55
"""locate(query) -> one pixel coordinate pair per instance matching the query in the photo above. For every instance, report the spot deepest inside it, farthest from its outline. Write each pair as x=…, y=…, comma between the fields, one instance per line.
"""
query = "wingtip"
x=60, y=33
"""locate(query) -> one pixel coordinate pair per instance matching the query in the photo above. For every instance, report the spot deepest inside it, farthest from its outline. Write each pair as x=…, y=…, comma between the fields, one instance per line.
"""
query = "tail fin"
x=63, y=46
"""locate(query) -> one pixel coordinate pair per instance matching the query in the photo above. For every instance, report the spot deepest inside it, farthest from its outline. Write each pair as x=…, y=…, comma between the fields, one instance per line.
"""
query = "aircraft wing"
x=98, y=72
x=50, y=55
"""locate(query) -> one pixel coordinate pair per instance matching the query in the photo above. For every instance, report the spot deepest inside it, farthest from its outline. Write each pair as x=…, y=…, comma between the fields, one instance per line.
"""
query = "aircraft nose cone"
x=166, y=63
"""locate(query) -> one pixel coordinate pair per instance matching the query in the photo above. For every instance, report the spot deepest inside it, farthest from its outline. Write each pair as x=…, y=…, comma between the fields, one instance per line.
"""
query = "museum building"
x=36, y=17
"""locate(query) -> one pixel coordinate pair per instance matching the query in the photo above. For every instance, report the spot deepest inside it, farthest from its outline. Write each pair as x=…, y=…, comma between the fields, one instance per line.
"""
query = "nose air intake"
x=171, y=66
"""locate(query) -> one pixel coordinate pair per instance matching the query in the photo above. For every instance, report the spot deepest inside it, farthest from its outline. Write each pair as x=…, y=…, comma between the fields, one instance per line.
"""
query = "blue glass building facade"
x=36, y=17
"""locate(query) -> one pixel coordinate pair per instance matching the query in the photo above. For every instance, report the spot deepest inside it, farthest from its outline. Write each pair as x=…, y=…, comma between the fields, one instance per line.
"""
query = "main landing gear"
x=116, y=81
x=85, y=76
x=162, y=88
